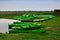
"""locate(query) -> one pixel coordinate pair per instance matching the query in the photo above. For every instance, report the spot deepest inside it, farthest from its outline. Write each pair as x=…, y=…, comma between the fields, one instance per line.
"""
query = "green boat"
x=23, y=25
x=28, y=27
x=27, y=31
x=31, y=18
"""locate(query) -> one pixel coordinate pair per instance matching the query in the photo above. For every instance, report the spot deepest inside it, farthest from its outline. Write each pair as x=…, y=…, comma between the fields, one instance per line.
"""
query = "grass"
x=55, y=22
x=51, y=35
x=11, y=14
x=53, y=32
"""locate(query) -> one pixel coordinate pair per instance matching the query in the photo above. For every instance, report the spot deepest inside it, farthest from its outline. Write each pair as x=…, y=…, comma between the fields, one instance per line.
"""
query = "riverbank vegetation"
x=11, y=14
x=52, y=26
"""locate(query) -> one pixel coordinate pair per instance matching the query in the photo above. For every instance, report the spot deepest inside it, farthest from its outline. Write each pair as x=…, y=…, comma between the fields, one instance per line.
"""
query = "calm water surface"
x=4, y=24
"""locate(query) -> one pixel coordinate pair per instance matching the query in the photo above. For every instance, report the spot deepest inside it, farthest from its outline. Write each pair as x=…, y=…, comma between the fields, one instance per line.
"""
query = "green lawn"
x=53, y=32
x=55, y=22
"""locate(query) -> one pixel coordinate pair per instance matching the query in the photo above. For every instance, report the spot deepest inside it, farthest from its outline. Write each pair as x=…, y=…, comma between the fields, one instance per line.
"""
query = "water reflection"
x=4, y=24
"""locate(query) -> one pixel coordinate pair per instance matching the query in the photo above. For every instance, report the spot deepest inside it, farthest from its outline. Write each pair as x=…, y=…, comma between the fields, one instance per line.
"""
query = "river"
x=4, y=25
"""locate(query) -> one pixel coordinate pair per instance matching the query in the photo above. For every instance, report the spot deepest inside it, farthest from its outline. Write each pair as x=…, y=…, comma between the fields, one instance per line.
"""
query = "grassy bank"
x=11, y=14
x=52, y=26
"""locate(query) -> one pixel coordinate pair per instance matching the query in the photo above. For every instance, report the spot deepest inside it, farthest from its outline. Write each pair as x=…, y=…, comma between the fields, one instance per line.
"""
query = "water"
x=4, y=25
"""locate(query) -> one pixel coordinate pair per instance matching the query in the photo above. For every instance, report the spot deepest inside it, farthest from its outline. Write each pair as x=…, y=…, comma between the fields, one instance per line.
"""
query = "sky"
x=35, y=5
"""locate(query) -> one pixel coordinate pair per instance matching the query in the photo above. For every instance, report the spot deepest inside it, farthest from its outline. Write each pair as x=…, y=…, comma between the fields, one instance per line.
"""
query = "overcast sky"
x=18, y=5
